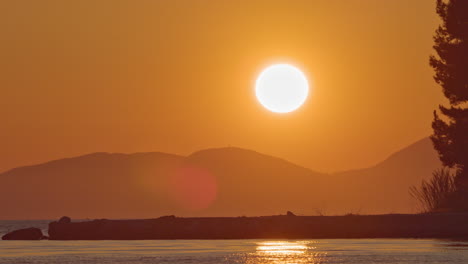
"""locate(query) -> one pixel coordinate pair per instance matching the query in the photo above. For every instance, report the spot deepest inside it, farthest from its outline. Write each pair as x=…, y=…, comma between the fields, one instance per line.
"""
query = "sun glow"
x=281, y=88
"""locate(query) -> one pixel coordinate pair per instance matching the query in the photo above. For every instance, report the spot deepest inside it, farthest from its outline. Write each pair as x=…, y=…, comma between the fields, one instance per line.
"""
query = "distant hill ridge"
x=115, y=185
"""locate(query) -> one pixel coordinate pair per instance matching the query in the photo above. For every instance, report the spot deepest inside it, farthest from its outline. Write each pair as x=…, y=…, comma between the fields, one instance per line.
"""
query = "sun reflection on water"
x=279, y=247
x=286, y=252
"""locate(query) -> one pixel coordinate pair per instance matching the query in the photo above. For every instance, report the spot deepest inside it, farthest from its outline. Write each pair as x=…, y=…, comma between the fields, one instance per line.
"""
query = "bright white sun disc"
x=281, y=88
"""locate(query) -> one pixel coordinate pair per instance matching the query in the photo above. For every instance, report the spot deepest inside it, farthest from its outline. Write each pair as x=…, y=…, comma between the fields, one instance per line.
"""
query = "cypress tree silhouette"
x=450, y=136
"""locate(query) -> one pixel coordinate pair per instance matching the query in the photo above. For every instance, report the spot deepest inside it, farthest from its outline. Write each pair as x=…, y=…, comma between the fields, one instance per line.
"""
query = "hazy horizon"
x=214, y=148
x=212, y=182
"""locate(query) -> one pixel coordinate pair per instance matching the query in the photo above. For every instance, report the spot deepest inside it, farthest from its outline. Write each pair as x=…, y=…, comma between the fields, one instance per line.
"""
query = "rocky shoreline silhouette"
x=289, y=226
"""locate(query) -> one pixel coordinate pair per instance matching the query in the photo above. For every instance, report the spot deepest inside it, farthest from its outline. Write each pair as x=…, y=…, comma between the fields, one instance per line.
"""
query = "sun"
x=281, y=88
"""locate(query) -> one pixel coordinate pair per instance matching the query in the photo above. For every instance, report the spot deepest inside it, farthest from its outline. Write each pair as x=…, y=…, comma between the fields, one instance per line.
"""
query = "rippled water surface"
x=234, y=251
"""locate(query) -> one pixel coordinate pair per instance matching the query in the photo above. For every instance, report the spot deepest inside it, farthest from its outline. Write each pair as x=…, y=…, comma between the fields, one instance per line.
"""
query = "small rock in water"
x=65, y=220
x=31, y=233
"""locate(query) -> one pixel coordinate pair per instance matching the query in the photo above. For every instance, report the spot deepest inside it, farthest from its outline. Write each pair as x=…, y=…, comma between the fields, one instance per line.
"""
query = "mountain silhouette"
x=231, y=182
x=384, y=187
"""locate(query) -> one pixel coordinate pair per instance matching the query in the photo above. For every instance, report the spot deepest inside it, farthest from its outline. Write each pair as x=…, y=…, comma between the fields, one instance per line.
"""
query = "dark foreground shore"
x=267, y=227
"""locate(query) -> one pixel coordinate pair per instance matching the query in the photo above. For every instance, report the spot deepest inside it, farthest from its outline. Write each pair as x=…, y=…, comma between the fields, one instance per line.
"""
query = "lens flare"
x=193, y=188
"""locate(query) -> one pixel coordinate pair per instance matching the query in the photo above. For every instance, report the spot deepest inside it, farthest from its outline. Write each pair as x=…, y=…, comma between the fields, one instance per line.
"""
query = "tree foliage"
x=450, y=136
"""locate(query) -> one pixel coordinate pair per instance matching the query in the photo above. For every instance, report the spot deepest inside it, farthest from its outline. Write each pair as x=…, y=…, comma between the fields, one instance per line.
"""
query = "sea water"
x=229, y=251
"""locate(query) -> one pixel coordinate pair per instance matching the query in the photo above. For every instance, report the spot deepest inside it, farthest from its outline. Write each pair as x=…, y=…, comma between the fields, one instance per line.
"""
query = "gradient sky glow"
x=177, y=76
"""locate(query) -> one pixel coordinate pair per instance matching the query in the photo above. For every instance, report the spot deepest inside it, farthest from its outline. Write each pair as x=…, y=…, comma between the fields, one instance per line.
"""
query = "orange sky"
x=177, y=76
